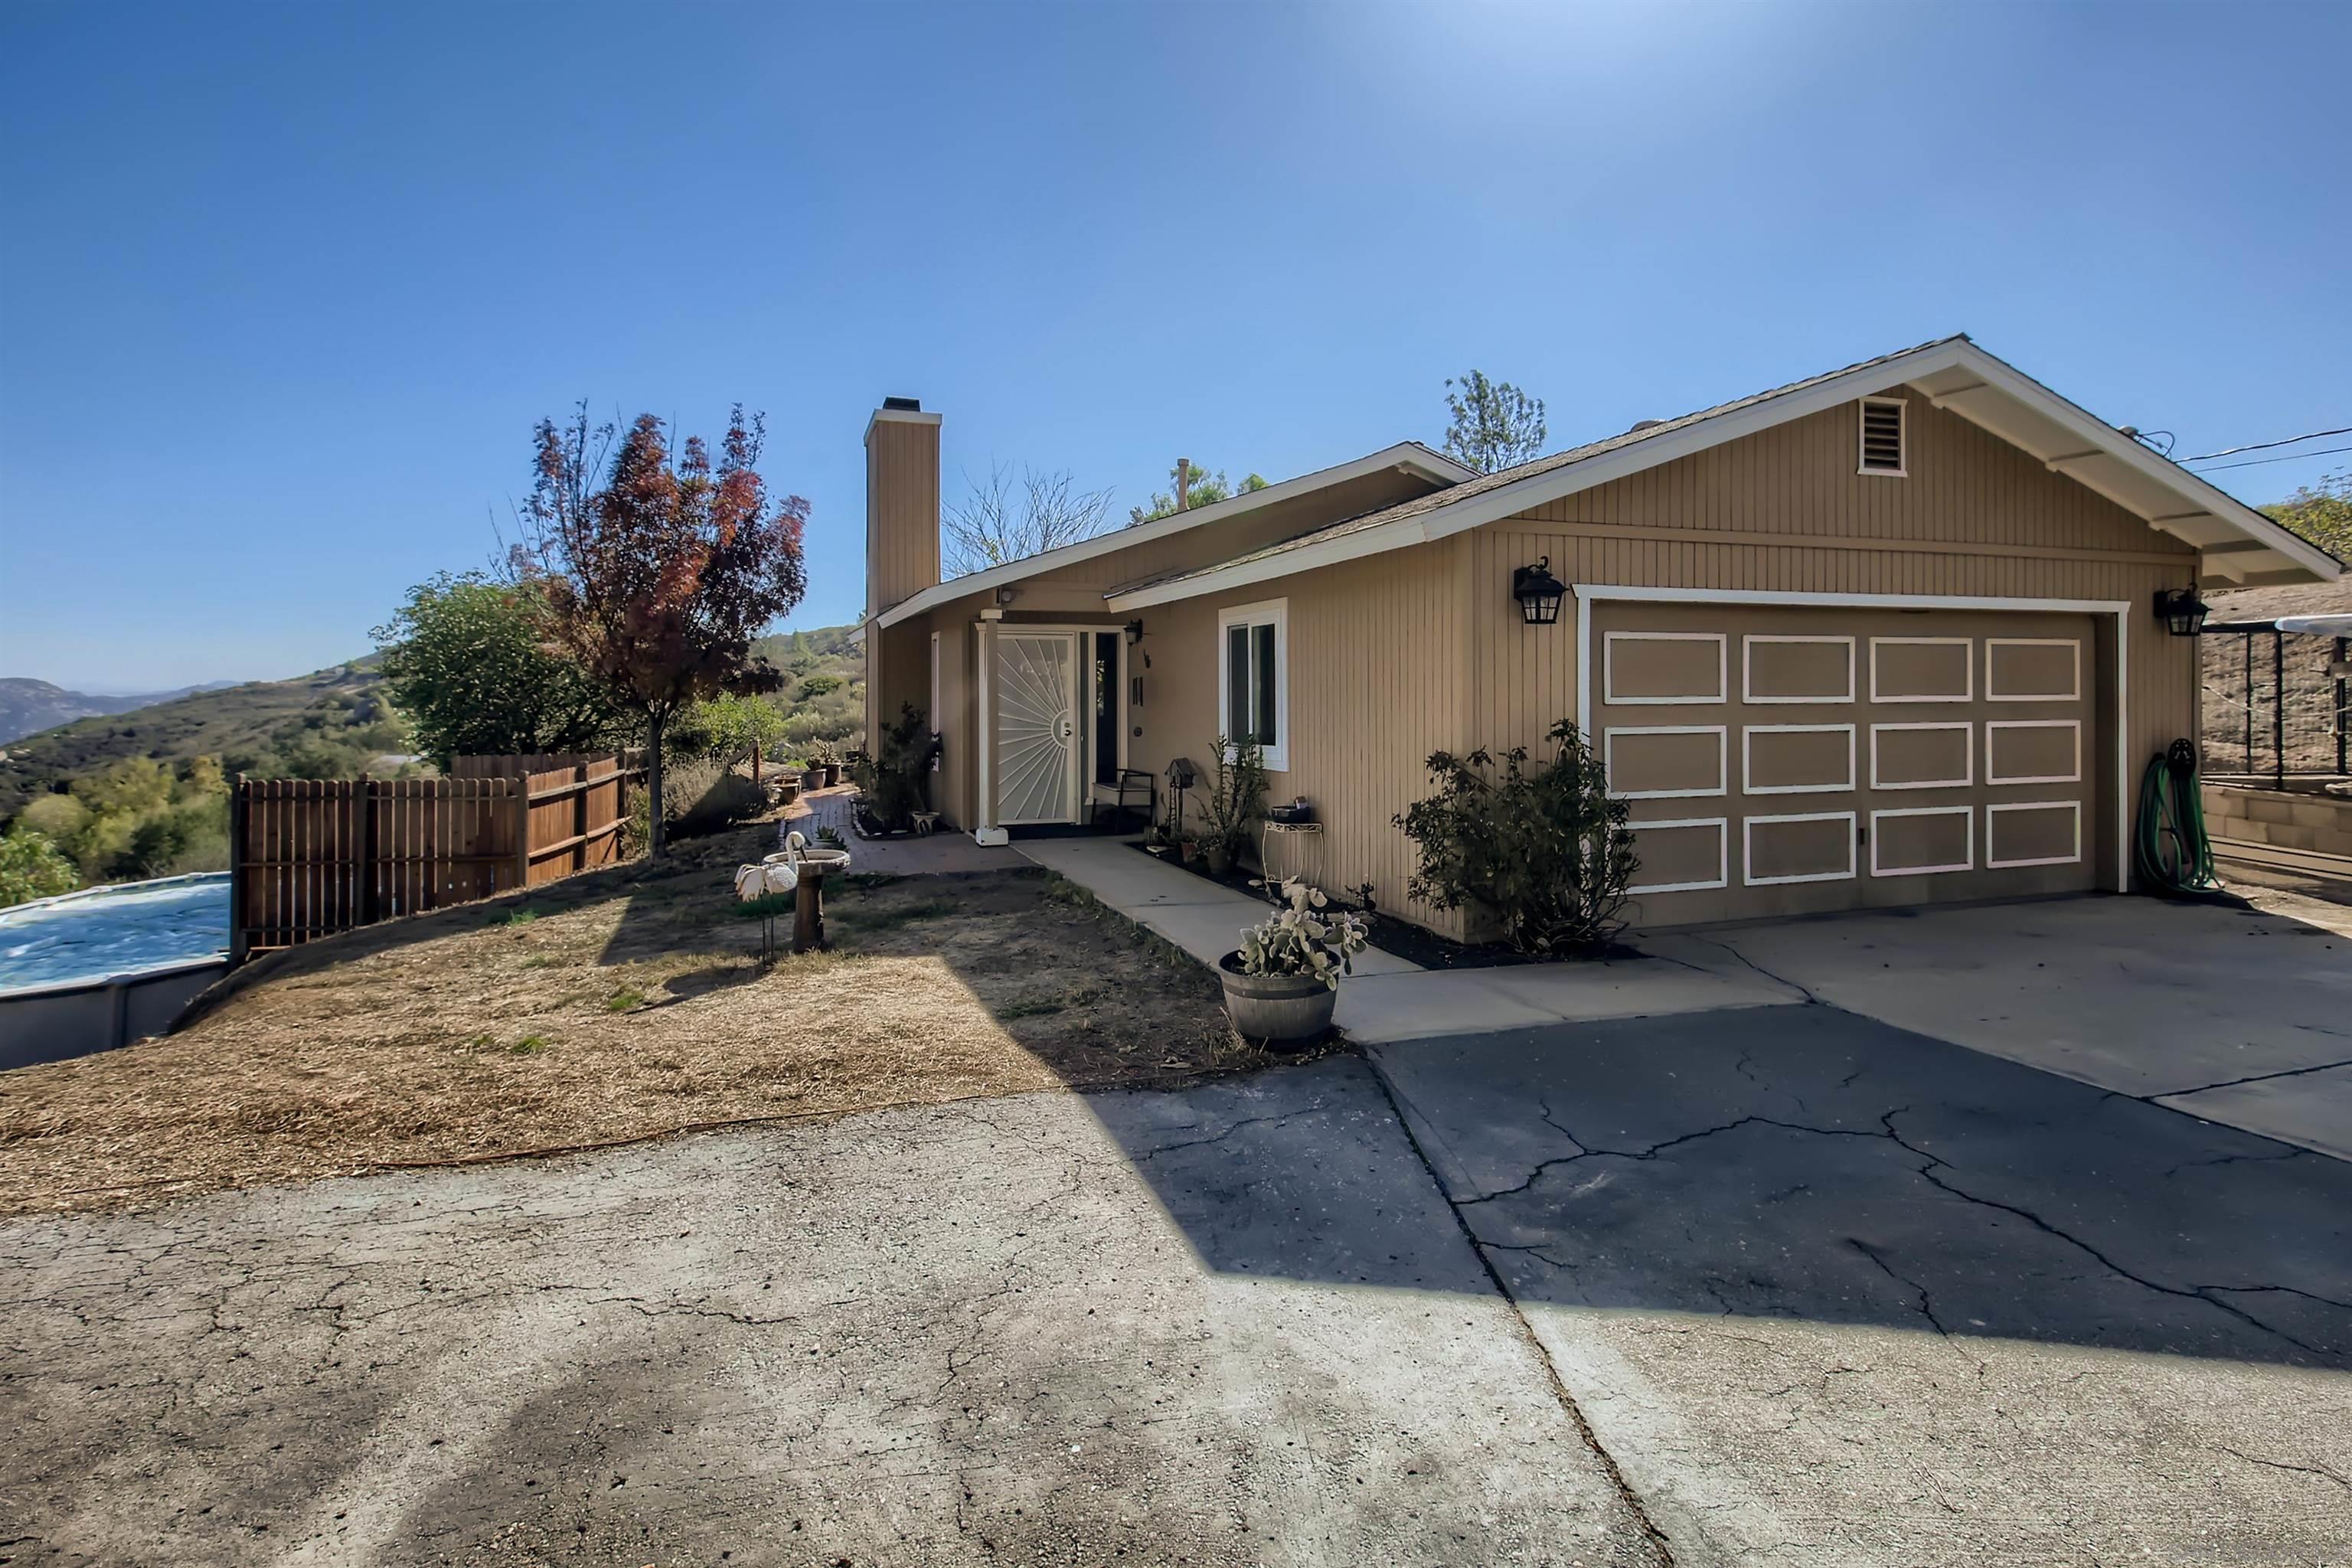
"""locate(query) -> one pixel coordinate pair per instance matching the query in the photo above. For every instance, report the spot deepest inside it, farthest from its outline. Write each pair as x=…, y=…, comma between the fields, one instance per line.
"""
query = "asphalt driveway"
x=1750, y=1284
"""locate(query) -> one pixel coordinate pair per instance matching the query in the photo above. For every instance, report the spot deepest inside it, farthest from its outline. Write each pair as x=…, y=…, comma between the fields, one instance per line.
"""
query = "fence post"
x=522, y=830
x=371, y=902
x=238, y=943
x=578, y=816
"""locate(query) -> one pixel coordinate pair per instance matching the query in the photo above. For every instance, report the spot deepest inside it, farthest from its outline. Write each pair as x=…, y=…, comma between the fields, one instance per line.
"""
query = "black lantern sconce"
x=1134, y=632
x=2181, y=611
x=1538, y=593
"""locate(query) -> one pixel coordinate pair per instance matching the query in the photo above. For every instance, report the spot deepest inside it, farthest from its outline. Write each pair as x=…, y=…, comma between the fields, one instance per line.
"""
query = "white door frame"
x=988, y=629
x=1593, y=593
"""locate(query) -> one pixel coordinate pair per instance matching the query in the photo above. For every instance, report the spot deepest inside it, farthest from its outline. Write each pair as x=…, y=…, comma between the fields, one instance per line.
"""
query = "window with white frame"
x=1253, y=678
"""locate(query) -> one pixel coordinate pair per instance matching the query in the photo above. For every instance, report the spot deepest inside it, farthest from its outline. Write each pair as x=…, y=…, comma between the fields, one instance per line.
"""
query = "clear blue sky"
x=285, y=287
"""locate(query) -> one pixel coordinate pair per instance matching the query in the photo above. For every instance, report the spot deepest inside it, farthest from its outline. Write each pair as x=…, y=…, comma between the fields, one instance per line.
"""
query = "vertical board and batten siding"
x=1377, y=653
x=1784, y=512
x=902, y=508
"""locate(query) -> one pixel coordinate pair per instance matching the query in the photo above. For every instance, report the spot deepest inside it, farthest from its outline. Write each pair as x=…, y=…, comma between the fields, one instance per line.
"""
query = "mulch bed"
x=1402, y=939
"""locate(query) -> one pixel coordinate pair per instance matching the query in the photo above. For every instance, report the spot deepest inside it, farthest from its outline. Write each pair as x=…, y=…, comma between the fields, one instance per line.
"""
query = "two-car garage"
x=1786, y=759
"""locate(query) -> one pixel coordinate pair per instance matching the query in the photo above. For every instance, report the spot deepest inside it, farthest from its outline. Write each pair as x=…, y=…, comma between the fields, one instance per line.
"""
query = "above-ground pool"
x=107, y=932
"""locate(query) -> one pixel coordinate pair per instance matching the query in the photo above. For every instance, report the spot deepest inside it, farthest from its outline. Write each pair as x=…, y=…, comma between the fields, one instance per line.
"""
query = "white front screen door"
x=1038, y=728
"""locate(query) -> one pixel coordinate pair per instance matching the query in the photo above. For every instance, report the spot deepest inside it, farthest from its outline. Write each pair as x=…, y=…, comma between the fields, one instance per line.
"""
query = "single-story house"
x=1887, y=635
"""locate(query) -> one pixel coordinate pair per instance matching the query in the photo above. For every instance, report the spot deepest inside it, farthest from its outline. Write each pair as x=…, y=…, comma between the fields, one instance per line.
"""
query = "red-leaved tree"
x=658, y=580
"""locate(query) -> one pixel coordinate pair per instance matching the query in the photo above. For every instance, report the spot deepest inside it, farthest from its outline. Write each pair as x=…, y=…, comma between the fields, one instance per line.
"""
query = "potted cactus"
x=1283, y=982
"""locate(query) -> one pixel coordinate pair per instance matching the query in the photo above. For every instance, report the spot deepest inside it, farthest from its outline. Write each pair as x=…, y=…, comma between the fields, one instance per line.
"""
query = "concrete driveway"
x=2241, y=1016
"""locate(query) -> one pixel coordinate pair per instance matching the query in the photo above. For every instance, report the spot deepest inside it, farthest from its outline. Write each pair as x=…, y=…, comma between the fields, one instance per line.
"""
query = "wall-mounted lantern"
x=1538, y=593
x=2181, y=611
x=1134, y=632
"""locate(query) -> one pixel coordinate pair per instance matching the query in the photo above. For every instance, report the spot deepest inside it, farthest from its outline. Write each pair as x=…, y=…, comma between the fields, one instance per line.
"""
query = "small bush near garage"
x=1542, y=852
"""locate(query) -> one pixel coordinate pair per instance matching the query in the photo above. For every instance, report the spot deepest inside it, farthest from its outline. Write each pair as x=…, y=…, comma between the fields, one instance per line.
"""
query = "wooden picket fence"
x=313, y=858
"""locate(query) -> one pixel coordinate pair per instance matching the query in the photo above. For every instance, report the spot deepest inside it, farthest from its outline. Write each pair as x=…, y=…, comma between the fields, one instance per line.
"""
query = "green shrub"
x=896, y=781
x=1543, y=853
x=32, y=868
x=1235, y=797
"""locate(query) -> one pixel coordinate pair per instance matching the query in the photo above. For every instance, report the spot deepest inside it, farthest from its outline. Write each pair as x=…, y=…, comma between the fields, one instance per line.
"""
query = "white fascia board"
x=1410, y=455
x=1450, y=518
x=2193, y=491
x=857, y=634
x=1506, y=501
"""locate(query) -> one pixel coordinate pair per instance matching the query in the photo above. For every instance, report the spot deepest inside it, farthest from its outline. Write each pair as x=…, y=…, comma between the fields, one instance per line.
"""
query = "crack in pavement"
x=2234, y=1082
x=2320, y=1471
x=1652, y=1536
x=1933, y=1169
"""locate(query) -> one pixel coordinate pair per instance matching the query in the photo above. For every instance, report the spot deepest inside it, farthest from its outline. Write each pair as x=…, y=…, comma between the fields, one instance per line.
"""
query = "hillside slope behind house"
x=28, y=707
x=310, y=726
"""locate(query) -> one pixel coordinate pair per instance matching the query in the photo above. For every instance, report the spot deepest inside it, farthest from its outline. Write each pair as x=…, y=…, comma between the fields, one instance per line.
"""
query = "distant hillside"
x=311, y=727
x=28, y=707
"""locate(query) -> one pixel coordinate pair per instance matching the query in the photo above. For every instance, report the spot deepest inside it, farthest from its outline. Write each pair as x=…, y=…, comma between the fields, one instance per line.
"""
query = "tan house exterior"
x=1884, y=637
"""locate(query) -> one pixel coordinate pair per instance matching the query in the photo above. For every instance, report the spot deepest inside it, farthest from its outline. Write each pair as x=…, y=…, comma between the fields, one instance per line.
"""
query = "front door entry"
x=1038, y=749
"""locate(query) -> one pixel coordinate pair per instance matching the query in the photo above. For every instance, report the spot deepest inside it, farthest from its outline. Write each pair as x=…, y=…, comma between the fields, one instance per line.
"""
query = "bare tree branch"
x=1002, y=520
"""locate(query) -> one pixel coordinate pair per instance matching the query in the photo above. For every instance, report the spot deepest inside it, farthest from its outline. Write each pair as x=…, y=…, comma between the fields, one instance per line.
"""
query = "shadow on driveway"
x=1793, y=1163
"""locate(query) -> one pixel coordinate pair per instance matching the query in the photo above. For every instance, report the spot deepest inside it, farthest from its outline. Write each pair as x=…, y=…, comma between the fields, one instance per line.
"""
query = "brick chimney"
x=902, y=502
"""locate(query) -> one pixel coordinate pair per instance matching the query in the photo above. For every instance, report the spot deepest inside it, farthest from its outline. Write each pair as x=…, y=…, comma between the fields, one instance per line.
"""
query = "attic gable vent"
x=1882, y=436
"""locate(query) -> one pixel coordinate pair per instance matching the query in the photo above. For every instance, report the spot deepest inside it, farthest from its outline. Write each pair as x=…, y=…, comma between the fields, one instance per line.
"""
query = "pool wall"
x=52, y=1023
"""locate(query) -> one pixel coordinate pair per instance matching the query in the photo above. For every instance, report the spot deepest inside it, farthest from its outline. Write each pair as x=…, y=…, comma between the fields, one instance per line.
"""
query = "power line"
x=2259, y=445
x=2290, y=457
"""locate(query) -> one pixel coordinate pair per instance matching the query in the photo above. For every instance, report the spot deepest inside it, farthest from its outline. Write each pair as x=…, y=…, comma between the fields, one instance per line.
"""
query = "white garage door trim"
x=1588, y=593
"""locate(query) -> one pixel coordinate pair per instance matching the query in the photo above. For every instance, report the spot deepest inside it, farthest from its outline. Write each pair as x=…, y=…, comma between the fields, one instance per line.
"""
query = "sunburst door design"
x=1036, y=729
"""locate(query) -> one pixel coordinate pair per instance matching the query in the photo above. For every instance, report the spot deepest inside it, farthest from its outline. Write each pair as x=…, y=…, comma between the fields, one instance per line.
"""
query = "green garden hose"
x=2170, y=850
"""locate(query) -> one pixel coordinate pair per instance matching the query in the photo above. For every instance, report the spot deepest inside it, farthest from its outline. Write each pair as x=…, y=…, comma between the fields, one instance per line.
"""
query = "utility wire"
x=2259, y=445
x=2290, y=457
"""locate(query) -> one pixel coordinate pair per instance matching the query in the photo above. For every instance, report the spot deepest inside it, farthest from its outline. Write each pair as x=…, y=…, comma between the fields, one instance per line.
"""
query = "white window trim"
x=2074, y=806
x=1968, y=755
x=1722, y=826
x=2074, y=695
x=1609, y=669
x=1902, y=469
x=1275, y=612
x=1722, y=759
x=1748, y=876
x=937, y=728
x=1747, y=670
x=1967, y=668
x=1967, y=812
x=2074, y=724
x=1748, y=785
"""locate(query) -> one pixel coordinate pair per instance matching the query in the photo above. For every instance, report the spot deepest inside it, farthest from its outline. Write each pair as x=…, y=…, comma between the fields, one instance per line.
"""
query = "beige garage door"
x=1788, y=760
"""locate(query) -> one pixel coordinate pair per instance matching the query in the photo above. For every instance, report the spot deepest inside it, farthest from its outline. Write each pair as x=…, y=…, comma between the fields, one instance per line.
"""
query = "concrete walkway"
x=1388, y=998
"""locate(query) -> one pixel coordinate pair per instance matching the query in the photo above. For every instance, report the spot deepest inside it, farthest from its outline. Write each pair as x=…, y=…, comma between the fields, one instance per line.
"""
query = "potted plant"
x=1234, y=797
x=825, y=762
x=1283, y=982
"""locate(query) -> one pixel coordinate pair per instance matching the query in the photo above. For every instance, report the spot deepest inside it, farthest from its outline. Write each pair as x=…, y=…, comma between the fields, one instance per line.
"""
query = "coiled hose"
x=2170, y=850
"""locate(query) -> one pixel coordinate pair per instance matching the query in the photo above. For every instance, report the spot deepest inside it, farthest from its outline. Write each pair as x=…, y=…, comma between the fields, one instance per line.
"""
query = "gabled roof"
x=2236, y=541
x=1413, y=454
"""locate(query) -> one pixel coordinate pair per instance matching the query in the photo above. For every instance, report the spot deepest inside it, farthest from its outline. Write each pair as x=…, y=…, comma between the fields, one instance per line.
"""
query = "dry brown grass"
x=620, y=1005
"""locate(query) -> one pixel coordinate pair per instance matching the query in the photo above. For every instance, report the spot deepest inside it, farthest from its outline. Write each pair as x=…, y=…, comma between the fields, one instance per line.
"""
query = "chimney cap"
x=903, y=405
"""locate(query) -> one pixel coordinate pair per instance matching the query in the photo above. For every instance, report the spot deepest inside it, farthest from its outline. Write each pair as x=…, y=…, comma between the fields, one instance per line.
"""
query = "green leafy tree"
x=467, y=659
x=1495, y=423
x=2321, y=513
x=727, y=727
x=1200, y=487
x=32, y=868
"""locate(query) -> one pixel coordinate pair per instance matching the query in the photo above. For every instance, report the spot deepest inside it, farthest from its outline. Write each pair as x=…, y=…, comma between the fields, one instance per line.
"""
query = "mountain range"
x=28, y=707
